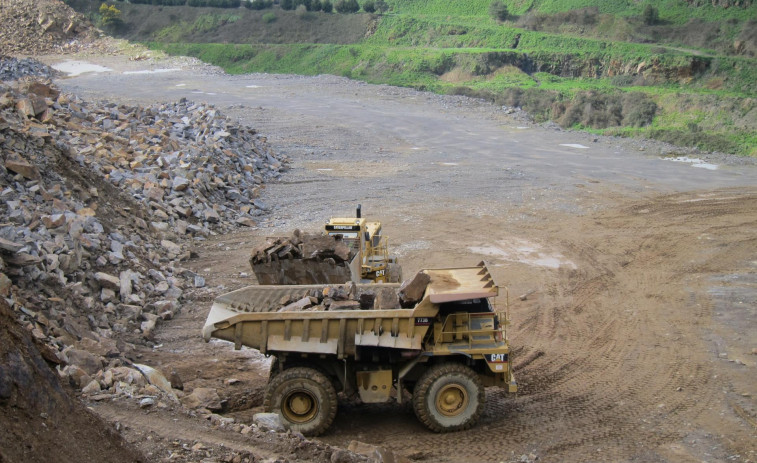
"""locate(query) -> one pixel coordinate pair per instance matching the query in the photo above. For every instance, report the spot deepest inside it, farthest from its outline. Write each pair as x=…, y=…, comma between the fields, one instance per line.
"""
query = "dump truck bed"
x=246, y=316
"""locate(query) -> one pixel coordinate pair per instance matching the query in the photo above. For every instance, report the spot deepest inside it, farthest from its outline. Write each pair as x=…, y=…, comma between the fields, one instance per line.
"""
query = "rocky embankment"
x=101, y=204
x=42, y=26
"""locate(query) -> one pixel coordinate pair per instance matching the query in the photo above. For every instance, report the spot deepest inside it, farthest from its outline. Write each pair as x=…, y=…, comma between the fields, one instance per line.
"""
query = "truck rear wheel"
x=449, y=397
x=304, y=398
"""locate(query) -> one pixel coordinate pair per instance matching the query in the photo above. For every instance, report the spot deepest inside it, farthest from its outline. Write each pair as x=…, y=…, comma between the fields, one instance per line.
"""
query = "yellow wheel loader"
x=350, y=249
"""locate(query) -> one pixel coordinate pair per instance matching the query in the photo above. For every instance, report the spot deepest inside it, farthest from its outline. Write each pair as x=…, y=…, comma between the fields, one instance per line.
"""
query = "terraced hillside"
x=680, y=71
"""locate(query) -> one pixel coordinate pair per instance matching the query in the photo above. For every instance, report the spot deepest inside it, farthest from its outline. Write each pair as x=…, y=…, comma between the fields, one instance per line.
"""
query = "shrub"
x=347, y=6
x=369, y=6
x=301, y=11
x=599, y=111
x=110, y=17
x=306, y=3
x=498, y=10
x=258, y=4
x=326, y=6
x=638, y=109
x=215, y=3
x=269, y=17
x=623, y=80
x=650, y=15
x=287, y=4
x=315, y=5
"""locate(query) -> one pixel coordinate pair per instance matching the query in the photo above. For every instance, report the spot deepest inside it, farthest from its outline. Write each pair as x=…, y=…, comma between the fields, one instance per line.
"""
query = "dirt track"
x=638, y=342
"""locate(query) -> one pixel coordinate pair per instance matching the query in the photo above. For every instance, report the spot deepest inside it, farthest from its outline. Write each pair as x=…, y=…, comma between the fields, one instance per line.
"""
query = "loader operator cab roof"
x=351, y=227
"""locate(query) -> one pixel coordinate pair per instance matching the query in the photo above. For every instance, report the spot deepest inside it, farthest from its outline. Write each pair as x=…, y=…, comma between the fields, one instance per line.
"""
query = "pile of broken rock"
x=100, y=205
x=351, y=297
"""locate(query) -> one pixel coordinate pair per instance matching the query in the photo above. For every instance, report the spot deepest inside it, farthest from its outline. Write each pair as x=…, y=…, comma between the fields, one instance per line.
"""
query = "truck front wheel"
x=304, y=398
x=449, y=397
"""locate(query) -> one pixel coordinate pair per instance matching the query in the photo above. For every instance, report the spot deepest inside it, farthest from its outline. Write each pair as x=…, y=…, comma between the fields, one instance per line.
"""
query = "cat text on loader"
x=349, y=249
x=442, y=341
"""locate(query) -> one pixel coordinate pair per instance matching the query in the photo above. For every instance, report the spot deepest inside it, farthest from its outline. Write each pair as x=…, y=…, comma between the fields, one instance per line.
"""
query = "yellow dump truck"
x=444, y=350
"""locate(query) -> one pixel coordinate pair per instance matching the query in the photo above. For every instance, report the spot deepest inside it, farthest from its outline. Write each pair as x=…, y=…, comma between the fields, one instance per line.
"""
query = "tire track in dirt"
x=612, y=364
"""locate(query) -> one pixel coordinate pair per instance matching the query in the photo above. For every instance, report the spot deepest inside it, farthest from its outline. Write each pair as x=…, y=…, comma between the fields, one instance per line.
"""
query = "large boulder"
x=413, y=289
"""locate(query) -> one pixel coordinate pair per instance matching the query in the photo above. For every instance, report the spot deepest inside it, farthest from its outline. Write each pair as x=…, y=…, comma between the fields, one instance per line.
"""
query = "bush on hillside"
x=638, y=109
x=301, y=11
x=286, y=4
x=347, y=6
x=586, y=109
x=161, y=2
x=599, y=111
x=269, y=17
x=498, y=10
x=326, y=6
x=650, y=15
x=316, y=5
x=215, y=3
x=258, y=4
x=369, y=6
x=580, y=17
x=110, y=17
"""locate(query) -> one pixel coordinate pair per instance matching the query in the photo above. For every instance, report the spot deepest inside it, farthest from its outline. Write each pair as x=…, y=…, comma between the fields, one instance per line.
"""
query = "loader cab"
x=365, y=240
x=349, y=229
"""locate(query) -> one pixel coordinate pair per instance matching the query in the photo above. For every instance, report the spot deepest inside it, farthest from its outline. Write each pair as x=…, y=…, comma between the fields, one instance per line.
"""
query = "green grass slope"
x=689, y=78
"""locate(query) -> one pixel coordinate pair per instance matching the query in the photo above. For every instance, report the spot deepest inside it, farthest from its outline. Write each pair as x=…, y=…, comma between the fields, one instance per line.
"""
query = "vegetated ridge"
x=678, y=71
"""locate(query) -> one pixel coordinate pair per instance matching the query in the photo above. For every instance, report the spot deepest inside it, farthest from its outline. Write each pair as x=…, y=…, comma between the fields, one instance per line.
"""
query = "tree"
x=347, y=6
x=650, y=15
x=326, y=6
x=498, y=10
x=369, y=6
x=287, y=4
x=110, y=17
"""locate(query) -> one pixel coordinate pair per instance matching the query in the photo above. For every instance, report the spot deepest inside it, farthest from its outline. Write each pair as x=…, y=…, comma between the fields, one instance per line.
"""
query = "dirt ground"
x=637, y=336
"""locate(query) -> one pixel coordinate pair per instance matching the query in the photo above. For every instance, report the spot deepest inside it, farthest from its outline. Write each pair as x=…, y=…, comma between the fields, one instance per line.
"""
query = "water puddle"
x=181, y=85
x=449, y=163
x=695, y=162
x=76, y=68
x=153, y=71
x=252, y=86
x=574, y=145
x=524, y=251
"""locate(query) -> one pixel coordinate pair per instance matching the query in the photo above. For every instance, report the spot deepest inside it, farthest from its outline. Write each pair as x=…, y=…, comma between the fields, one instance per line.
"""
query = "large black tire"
x=449, y=397
x=304, y=398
